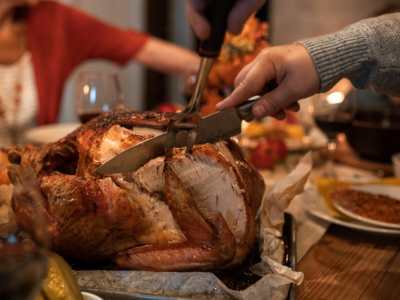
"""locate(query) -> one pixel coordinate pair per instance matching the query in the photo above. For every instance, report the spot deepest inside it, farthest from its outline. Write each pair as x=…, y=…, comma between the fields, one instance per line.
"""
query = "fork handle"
x=216, y=12
x=244, y=110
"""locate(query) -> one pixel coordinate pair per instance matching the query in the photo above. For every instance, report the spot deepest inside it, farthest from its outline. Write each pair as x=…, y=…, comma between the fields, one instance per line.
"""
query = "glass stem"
x=330, y=171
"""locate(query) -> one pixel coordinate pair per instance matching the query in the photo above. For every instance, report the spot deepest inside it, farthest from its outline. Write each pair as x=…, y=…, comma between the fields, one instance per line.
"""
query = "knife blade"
x=212, y=129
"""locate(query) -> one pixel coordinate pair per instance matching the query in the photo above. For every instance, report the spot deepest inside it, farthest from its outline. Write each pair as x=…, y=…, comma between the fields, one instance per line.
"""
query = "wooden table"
x=350, y=264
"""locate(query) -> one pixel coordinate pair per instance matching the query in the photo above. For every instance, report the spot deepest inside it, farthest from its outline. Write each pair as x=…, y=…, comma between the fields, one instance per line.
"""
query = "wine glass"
x=96, y=93
x=333, y=112
x=23, y=247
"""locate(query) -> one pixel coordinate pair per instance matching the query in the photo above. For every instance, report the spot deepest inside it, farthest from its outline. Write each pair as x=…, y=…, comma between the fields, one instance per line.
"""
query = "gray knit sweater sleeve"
x=367, y=52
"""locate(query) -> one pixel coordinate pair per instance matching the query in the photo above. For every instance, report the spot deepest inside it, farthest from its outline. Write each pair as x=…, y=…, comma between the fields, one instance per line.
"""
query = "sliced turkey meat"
x=185, y=212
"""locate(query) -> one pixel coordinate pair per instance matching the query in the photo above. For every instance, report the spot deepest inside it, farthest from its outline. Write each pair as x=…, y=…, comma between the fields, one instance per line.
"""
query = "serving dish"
x=315, y=205
x=385, y=190
x=290, y=260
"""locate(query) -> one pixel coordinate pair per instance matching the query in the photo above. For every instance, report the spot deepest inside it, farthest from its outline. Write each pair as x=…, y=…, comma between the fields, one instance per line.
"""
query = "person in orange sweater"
x=41, y=42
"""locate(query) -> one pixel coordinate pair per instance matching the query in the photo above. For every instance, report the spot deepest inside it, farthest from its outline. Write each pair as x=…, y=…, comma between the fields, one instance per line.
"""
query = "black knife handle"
x=216, y=12
x=244, y=110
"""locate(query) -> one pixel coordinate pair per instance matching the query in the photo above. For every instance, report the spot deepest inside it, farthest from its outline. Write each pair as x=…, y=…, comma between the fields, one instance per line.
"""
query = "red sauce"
x=372, y=206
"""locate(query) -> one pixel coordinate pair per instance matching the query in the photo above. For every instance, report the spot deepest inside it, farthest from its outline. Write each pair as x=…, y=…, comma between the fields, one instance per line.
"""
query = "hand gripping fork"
x=217, y=13
x=189, y=119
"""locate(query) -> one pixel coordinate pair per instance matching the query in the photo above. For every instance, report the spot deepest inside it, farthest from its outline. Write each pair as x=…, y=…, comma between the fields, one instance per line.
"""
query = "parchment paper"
x=274, y=284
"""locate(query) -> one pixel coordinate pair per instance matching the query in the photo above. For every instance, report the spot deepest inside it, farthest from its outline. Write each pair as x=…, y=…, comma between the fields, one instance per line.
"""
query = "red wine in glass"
x=333, y=113
x=333, y=124
x=97, y=93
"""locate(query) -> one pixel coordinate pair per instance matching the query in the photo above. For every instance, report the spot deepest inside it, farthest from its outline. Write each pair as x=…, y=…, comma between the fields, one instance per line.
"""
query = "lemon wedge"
x=60, y=283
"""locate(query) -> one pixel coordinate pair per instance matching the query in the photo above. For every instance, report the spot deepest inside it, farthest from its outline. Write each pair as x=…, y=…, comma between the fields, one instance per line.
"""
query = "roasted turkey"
x=184, y=212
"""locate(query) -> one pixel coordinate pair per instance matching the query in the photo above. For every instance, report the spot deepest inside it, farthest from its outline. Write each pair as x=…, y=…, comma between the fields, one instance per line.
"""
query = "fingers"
x=239, y=14
x=295, y=107
x=243, y=73
x=197, y=21
x=271, y=103
x=281, y=114
x=257, y=75
x=292, y=68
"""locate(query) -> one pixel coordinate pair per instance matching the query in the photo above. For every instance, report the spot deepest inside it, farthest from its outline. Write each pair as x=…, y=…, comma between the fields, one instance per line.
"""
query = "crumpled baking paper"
x=276, y=277
x=274, y=284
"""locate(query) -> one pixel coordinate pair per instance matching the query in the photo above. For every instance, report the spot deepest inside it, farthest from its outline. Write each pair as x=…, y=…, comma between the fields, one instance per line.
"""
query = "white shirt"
x=18, y=100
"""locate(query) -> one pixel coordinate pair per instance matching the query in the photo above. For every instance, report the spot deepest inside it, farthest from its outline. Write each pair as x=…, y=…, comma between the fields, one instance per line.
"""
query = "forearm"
x=168, y=58
x=367, y=52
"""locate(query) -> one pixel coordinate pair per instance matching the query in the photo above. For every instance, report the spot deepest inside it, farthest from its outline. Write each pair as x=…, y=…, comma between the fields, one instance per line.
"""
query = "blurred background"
x=289, y=20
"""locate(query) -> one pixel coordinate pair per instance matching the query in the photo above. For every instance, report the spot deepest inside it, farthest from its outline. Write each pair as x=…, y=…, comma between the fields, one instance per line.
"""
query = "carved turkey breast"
x=184, y=212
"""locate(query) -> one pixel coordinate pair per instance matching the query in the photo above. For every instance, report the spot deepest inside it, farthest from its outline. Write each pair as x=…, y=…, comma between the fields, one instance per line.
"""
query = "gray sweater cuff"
x=338, y=55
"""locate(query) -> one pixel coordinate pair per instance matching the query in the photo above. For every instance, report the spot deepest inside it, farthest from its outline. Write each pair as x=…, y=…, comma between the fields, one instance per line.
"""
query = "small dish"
x=315, y=205
x=387, y=190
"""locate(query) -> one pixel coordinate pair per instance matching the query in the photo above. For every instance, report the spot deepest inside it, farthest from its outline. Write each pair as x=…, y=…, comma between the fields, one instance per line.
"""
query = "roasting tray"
x=290, y=260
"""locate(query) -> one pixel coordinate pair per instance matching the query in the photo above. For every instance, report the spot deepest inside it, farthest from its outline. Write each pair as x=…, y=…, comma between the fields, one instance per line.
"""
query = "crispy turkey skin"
x=181, y=213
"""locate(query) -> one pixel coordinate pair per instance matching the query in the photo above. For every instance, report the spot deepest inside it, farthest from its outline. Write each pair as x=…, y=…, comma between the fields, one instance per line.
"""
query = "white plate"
x=386, y=190
x=315, y=205
x=50, y=133
x=89, y=296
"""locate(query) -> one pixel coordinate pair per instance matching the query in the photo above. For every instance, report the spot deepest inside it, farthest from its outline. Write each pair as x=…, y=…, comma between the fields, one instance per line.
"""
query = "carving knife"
x=214, y=128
